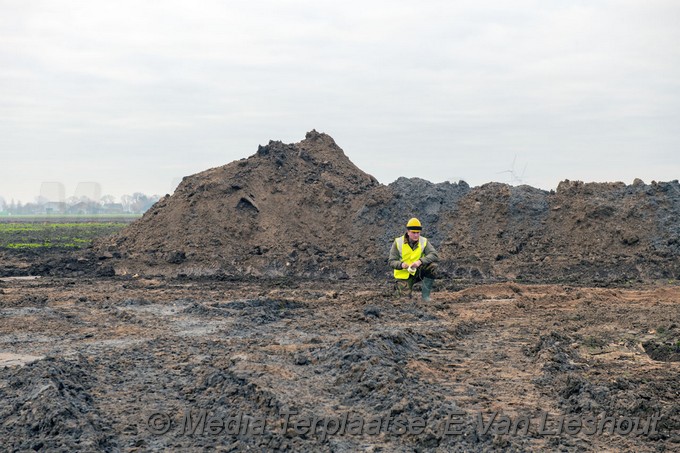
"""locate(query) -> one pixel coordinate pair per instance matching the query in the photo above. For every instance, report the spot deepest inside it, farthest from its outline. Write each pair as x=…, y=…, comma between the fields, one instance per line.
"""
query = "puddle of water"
x=111, y=343
x=26, y=311
x=11, y=279
x=196, y=328
x=26, y=338
x=156, y=309
x=8, y=359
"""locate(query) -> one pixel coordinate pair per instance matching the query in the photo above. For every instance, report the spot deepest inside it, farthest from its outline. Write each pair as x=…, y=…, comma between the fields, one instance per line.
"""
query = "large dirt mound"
x=288, y=209
x=306, y=210
x=594, y=232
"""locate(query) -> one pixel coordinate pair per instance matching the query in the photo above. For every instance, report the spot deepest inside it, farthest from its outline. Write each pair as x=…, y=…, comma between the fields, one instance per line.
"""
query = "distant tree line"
x=137, y=203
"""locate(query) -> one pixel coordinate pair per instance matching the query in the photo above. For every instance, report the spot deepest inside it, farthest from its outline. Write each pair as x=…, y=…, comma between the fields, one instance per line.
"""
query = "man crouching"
x=413, y=259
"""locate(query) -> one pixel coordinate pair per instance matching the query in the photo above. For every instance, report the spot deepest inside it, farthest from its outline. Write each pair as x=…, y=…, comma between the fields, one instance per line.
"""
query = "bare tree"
x=107, y=199
x=126, y=201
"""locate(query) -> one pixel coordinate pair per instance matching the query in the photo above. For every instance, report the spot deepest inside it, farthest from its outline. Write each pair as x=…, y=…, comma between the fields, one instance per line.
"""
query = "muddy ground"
x=252, y=310
x=103, y=364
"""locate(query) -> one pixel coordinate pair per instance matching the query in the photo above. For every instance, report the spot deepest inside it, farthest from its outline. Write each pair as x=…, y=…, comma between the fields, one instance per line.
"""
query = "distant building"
x=53, y=207
x=79, y=208
x=83, y=207
x=112, y=208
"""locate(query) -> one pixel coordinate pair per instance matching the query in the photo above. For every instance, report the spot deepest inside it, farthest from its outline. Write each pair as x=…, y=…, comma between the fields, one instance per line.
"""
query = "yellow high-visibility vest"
x=408, y=255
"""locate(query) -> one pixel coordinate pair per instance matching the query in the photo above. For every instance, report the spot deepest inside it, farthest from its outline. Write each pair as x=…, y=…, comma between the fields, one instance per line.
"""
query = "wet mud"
x=105, y=364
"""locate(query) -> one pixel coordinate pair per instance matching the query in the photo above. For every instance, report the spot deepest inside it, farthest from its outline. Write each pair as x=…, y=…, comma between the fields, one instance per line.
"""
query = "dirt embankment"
x=305, y=210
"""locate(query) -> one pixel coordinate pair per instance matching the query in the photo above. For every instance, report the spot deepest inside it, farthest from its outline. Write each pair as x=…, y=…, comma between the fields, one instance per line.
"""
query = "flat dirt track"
x=104, y=358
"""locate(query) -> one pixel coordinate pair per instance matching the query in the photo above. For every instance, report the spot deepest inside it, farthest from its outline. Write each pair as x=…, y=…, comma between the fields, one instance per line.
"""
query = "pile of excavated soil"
x=306, y=210
x=288, y=209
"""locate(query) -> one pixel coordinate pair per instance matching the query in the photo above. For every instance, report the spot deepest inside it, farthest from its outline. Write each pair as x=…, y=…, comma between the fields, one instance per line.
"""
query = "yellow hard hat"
x=414, y=224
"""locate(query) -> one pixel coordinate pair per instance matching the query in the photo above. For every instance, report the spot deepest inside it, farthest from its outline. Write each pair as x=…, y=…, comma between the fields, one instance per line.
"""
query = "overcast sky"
x=133, y=95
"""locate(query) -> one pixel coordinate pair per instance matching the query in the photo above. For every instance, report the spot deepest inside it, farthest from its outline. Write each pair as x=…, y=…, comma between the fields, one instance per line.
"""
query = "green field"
x=41, y=235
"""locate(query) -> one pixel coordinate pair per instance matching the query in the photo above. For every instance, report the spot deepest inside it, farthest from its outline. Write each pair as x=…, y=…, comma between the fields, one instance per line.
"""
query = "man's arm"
x=430, y=254
x=395, y=257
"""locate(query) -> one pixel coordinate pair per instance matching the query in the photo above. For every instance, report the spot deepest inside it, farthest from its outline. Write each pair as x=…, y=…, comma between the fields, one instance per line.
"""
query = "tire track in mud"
x=494, y=368
x=487, y=373
x=323, y=352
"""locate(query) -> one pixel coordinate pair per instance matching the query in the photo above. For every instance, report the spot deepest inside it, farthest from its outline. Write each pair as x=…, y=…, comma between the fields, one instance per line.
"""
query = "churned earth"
x=252, y=310
x=105, y=363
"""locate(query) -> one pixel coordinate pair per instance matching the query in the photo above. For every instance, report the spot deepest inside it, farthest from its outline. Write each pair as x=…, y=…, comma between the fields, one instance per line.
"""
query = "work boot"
x=402, y=288
x=427, y=288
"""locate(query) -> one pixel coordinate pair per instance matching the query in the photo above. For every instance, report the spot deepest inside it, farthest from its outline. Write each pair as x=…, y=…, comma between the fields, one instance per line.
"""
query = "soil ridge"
x=305, y=210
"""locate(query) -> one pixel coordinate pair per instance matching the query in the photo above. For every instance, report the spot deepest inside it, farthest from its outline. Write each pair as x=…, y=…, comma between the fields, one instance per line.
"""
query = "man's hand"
x=416, y=265
x=404, y=266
